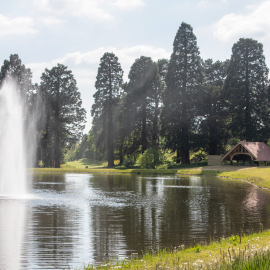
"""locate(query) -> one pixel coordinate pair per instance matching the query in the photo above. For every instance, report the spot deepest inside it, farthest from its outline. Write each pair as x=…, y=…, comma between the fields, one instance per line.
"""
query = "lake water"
x=69, y=219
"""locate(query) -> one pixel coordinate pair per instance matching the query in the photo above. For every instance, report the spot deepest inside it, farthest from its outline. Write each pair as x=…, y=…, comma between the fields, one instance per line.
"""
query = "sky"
x=77, y=33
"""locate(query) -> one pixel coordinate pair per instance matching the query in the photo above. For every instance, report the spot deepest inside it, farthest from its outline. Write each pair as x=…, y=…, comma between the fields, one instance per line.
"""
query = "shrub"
x=199, y=156
x=128, y=163
x=41, y=163
x=151, y=159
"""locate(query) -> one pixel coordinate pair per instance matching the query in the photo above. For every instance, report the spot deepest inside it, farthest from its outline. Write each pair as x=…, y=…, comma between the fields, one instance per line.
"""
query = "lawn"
x=259, y=176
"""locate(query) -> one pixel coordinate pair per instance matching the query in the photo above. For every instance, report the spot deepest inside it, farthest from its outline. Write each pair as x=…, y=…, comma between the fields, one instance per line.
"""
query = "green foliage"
x=151, y=159
x=234, y=239
x=198, y=248
x=129, y=163
x=213, y=128
x=108, y=91
x=41, y=163
x=143, y=101
x=183, y=81
x=245, y=90
x=64, y=115
x=199, y=156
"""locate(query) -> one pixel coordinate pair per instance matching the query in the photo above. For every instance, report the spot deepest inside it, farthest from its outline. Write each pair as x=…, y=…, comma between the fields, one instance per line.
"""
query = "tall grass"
x=236, y=252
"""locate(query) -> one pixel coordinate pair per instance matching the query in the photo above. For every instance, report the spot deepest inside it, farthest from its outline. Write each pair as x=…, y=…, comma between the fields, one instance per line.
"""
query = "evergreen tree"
x=143, y=92
x=163, y=70
x=22, y=76
x=65, y=116
x=108, y=84
x=183, y=82
x=213, y=127
x=245, y=88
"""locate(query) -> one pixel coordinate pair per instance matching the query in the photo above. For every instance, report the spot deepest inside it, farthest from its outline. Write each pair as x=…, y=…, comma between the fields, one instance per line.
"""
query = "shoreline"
x=258, y=176
x=224, y=252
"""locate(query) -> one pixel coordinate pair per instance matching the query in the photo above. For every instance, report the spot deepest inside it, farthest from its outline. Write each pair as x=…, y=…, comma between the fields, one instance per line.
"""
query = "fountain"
x=12, y=143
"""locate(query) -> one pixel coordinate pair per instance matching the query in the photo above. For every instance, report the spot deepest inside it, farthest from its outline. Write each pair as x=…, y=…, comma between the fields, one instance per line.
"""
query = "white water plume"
x=12, y=141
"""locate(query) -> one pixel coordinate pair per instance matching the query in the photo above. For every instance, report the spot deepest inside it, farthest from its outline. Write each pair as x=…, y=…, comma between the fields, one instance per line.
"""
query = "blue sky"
x=78, y=32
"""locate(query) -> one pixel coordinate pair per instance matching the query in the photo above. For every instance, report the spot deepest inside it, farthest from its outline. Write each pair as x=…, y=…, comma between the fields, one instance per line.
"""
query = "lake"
x=68, y=219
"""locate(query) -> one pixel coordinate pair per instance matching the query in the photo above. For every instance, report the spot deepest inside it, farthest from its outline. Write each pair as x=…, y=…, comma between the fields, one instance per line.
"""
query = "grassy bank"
x=236, y=252
x=260, y=176
x=104, y=170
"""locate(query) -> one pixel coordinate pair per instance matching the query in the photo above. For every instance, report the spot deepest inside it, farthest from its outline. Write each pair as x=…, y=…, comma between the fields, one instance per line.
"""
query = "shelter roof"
x=259, y=150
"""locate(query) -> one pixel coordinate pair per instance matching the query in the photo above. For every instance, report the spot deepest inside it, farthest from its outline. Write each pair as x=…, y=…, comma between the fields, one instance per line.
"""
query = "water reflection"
x=77, y=218
x=12, y=233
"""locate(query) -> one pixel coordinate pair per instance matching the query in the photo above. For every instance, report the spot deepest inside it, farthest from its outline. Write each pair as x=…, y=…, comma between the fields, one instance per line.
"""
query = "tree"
x=213, y=127
x=108, y=84
x=183, y=82
x=143, y=92
x=14, y=71
x=65, y=116
x=22, y=76
x=245, y=88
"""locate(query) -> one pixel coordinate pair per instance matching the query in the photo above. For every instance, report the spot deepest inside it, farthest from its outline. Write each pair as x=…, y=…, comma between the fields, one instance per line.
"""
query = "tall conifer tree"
x=245, y=87
x=183, y=81
x=143, y=92
x=213, y=127
x=65, y=116
x=108, y=84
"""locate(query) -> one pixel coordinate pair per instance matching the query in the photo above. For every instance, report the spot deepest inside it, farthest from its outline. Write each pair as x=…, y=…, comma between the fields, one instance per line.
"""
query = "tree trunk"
x=178, y=155
x=144, y=134
x=184, y=132
x=57, y=130
x=121, y=153
x=248, y=125
x=155, y=139
x=213, y=141
x=110, y=129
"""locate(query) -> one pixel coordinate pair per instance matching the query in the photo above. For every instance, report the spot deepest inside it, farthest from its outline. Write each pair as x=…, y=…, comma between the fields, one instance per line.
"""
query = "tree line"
x=181, y=105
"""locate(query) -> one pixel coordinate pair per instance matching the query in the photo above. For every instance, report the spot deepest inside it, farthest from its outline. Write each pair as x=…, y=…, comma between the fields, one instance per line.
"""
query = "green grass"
x=101, y=167
x=104, y=170
x=245, y=252
x=257, y=176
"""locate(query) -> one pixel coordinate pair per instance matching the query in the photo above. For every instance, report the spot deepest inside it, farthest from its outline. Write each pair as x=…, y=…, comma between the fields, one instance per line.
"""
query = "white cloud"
x=93, y=9
x=51, y=20
x=128, y=4
x=84, y=67
x=77, y=61
x=16, y=26
x=257, y=22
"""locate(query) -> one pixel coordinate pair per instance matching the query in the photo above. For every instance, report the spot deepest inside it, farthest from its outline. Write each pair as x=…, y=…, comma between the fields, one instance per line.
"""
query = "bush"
x=128, y=163
x=199, y=156
x=151, y=159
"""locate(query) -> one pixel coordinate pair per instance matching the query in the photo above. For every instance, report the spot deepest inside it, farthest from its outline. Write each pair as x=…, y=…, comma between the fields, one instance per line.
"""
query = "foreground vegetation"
x=236, y=252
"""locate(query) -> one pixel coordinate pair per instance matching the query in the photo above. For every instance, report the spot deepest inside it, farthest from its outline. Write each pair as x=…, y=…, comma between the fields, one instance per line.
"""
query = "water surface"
x=74, y=218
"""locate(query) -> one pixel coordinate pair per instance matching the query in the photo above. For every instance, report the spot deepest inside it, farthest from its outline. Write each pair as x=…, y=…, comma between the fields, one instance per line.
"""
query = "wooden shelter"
x=248, y=151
